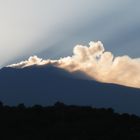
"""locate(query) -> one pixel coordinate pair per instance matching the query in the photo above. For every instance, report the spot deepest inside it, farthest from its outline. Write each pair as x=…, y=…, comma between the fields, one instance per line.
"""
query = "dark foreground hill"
x=46, y=85
x=61, y=122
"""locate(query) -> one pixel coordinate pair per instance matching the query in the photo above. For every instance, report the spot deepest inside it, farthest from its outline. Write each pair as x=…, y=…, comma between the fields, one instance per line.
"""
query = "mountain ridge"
x=46, y=85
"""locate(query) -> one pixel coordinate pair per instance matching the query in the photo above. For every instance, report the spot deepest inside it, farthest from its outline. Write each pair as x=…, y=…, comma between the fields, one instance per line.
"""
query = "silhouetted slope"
x=45, y=85
x=66, y=123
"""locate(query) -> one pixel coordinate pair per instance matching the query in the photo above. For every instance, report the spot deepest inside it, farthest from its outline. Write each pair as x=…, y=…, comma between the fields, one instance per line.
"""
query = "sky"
x=51, y=28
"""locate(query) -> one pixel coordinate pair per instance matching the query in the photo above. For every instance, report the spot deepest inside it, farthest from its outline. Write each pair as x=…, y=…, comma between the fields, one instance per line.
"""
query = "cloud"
x=95, y=62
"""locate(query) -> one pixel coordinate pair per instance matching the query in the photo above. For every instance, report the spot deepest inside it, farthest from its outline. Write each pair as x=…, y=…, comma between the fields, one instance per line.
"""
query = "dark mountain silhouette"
x=45, y=85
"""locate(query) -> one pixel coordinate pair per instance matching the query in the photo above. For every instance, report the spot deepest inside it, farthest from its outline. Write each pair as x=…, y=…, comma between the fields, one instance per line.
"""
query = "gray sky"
x=51, y=28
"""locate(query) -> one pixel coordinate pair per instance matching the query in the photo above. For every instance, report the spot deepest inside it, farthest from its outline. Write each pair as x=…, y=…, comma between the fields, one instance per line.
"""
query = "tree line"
x=66, y=122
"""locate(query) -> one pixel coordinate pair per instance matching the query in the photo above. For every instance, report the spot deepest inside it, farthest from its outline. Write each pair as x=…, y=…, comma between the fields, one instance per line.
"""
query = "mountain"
x=47, y=84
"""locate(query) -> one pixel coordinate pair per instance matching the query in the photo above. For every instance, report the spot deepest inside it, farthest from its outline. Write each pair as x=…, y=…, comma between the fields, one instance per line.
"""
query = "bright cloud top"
x=97, y=63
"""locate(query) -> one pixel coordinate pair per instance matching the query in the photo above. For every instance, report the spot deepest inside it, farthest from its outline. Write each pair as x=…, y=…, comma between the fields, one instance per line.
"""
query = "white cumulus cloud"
x=95, y=62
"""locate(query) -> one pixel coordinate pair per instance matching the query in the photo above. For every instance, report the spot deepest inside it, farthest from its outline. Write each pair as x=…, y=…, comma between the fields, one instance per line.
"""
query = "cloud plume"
x=95, y=62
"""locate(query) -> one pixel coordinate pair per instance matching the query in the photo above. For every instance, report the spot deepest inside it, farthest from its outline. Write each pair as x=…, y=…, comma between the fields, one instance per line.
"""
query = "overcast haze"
x=51, y=28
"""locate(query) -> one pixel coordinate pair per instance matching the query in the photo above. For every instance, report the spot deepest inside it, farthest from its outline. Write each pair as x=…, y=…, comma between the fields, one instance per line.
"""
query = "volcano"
x=45, y=85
